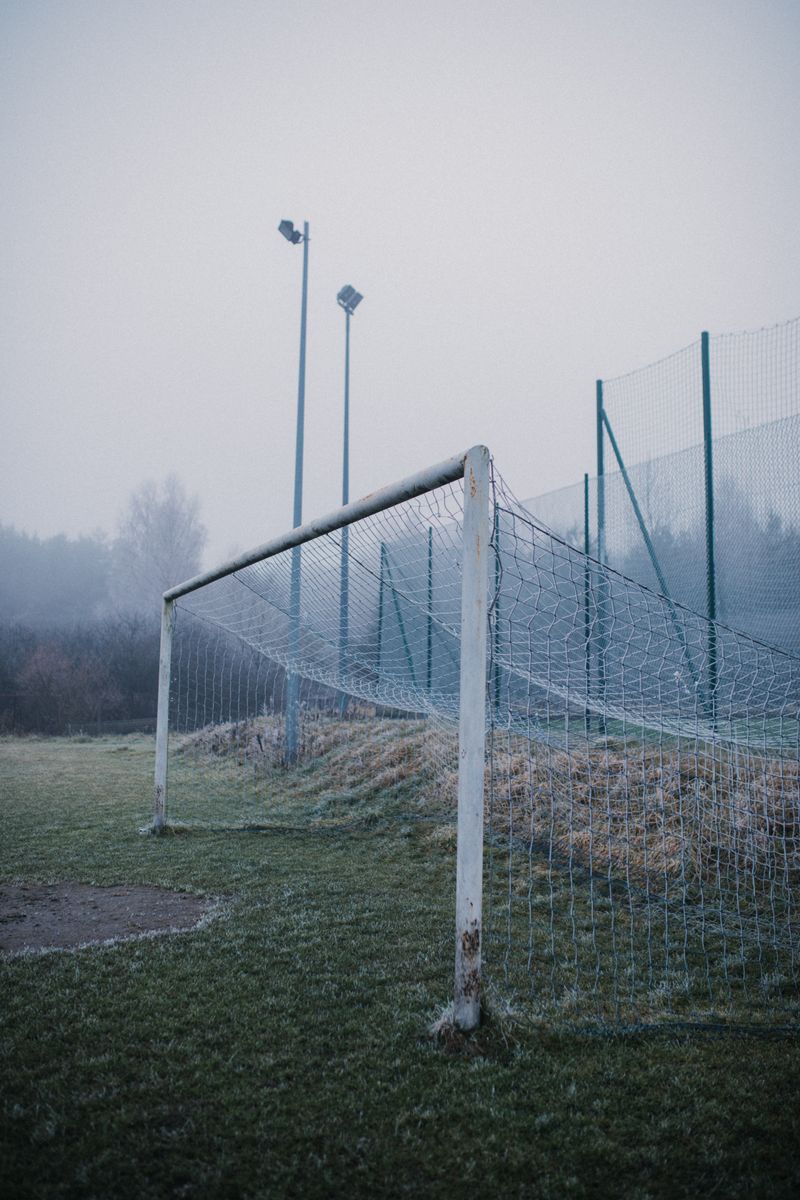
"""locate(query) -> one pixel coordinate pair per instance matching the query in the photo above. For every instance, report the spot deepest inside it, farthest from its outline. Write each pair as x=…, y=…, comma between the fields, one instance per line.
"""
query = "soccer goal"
x=621, y=775
x=299, y=636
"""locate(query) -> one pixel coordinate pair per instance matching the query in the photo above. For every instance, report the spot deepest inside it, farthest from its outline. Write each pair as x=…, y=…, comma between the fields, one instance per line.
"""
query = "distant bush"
x=54, y=679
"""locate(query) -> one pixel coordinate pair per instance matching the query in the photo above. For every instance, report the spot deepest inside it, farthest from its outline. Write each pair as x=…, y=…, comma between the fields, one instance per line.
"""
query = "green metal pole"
x=380, y=605
x=429, y=673
x=495, y=613
x=711, y=573
x=601, y=483
x=344, y=566
x=586, y=624
x=601, y=554
x=293, y=680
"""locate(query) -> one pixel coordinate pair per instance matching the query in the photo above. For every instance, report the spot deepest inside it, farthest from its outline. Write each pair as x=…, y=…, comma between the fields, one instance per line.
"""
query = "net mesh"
x=644, y=805
x=642, y=801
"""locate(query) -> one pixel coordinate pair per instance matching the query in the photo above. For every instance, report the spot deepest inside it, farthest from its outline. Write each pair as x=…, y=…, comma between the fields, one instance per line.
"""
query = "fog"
x=530, y=195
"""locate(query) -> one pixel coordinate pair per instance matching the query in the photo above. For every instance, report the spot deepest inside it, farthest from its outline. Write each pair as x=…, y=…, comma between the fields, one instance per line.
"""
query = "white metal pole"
x=344, y=565
x=162, y=720
x=293, y=680
x=415, y=485
x=472, y=739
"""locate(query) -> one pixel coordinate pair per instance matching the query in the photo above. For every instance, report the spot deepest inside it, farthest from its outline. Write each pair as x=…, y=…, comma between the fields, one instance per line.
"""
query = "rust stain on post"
x=473, y=483
x=472, y=984
x=471, y=941
x=469, y=963
x=160, y=806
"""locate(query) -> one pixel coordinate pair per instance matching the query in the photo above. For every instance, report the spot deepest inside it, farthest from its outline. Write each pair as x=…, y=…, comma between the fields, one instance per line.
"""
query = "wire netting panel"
x=657, y=410
x=755, y=393
x=644, y=843
x=656, y=415
x=755, y=377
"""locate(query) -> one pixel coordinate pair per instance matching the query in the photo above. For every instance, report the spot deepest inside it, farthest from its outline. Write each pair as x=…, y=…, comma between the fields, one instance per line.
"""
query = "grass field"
x=283, y=1048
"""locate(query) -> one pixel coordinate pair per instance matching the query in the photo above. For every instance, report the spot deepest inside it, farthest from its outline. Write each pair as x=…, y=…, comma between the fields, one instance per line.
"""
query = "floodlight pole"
x=293, y=679
x=348, y=299
x=344, y=581
x=346, y=448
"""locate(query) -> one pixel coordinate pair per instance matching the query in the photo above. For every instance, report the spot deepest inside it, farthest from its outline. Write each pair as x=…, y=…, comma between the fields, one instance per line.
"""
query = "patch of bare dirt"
x=46, y=916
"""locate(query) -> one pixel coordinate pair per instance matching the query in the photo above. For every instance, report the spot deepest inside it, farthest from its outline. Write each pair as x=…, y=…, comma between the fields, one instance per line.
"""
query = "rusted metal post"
x=162, y=720
x=472, y=739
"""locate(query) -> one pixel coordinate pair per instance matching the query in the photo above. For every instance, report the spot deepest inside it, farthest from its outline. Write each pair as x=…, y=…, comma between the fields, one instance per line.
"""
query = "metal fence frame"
x=605, y=430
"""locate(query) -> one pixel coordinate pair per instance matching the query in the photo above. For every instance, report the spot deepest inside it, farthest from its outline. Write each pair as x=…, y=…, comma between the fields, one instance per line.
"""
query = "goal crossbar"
x=406, y=489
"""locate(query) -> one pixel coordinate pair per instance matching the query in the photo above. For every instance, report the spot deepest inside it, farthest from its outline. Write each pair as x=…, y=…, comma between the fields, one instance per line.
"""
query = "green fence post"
x=380, y=605
x=495, y=611
x=586, y=626
x=601, y=556
x=601, y=483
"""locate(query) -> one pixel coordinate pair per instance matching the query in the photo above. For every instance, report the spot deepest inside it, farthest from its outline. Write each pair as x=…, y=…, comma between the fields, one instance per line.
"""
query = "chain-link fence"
x=697, y=492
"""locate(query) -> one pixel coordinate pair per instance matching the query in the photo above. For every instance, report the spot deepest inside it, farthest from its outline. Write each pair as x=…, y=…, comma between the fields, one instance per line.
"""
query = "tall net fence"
x=656, y=416
x=642, y=814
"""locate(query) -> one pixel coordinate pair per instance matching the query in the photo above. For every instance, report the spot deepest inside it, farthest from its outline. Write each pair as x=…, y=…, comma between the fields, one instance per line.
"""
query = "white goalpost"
x=473, y=467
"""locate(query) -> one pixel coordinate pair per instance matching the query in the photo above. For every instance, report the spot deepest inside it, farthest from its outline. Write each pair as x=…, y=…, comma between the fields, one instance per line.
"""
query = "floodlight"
x=349, y=299
x=289, y=232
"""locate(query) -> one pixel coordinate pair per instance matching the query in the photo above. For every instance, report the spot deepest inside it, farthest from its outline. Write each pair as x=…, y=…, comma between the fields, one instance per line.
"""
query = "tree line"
x=79, y=617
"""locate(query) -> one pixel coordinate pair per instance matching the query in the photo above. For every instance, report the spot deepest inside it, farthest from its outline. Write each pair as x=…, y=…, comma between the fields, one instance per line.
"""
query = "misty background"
x=529, y=195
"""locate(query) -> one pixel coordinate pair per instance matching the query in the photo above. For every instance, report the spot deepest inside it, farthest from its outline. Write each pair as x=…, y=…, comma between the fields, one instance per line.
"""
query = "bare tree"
x=159, y=542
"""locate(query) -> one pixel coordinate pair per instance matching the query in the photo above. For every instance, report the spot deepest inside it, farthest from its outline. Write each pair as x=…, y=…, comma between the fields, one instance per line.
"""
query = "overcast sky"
x=530, y=195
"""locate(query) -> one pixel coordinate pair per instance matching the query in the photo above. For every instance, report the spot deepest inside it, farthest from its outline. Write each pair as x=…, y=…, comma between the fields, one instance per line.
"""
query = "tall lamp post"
x=292, y=684
x=348, y=299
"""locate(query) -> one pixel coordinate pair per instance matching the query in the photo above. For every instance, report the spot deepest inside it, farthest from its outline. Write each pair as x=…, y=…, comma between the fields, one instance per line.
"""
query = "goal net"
x=639, y=799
